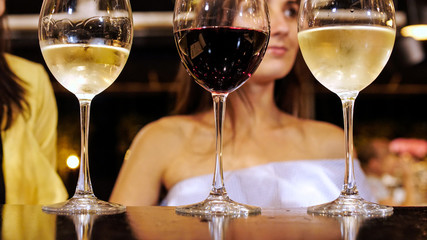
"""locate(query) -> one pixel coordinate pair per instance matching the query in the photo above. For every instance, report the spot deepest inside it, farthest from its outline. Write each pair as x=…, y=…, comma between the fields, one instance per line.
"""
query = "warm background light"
x=418, y=32
x=73, y=162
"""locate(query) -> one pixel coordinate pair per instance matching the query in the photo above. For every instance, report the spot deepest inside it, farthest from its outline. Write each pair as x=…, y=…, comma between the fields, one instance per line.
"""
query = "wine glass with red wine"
x=221, y=43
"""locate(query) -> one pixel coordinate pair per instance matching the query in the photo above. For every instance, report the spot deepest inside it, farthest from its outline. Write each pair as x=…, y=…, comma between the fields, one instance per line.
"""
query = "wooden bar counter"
x=30, y=222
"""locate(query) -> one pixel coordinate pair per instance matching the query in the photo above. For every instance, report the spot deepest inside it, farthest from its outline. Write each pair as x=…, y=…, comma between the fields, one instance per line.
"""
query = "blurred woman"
x=273, y=155
x=28, y=130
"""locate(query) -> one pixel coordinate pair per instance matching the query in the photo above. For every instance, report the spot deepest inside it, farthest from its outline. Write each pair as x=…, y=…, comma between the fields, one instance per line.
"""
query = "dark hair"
x=12, y=92
x=293, y=94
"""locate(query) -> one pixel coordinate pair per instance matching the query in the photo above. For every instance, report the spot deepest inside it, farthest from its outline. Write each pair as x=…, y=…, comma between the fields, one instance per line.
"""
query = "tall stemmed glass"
x=346, y=44
x=221, y=43
x=85, y=44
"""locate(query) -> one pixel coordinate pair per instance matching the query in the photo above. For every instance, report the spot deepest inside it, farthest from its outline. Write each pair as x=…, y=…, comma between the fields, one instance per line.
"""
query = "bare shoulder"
x=163, y=131
x=322, y=129
x=153, y=149
x=326, y=138
x=166, y=136
x=171, y=126
x=164, y=126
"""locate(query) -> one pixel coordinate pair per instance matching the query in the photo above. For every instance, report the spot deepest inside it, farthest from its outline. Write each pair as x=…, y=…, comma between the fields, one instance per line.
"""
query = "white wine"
x=85, y=70
x=346, y=58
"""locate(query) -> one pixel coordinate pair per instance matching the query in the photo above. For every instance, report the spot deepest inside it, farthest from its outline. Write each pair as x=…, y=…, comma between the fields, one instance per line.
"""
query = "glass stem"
x=84, y=185
x=349, y=178
x=219, y=111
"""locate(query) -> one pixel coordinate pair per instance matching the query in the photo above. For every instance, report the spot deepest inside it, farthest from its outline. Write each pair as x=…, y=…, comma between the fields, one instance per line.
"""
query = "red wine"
x=221, y=58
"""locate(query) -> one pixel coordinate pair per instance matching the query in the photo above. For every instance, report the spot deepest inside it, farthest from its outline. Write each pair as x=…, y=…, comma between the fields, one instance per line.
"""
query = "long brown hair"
x=12, y=91
x=293, y=94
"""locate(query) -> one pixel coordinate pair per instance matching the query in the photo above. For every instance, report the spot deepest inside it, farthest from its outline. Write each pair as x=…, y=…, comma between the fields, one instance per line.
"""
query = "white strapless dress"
x=287, y=184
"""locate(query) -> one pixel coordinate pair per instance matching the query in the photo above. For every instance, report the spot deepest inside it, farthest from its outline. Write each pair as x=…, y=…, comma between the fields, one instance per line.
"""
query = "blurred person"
x=389, y=168
x=274, y=156
x=28, y=130
x=413, y=147
x=411, y=168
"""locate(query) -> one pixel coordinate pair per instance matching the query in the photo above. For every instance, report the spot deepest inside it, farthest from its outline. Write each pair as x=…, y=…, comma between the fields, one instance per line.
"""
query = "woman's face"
x=283, y=45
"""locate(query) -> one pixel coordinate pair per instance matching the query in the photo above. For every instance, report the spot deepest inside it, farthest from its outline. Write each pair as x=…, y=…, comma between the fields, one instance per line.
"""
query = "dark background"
x=393, y=106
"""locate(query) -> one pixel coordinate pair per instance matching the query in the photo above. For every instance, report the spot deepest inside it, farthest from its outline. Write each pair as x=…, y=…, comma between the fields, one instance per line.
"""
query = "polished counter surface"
x=30, y=222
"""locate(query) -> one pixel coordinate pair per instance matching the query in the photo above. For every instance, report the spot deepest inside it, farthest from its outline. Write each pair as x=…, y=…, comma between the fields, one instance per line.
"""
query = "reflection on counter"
x=30, y=222
x=27, y=222
x=83, y=224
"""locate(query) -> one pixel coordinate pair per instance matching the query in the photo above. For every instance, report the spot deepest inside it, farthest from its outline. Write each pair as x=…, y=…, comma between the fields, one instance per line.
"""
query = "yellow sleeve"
x=45, y=114
x=29, y=145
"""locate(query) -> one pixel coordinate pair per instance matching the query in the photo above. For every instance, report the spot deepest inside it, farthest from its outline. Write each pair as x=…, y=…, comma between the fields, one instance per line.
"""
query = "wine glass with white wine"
x=85, y=44
x=346, y=44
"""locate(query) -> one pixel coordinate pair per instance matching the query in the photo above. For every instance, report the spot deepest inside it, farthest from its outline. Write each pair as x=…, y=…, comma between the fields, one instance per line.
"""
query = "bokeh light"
x=73, y=162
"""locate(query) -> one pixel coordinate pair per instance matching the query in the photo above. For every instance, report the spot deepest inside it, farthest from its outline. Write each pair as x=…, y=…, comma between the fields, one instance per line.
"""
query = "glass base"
x=84, y=205
x=218, y=205
x=351, y=205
